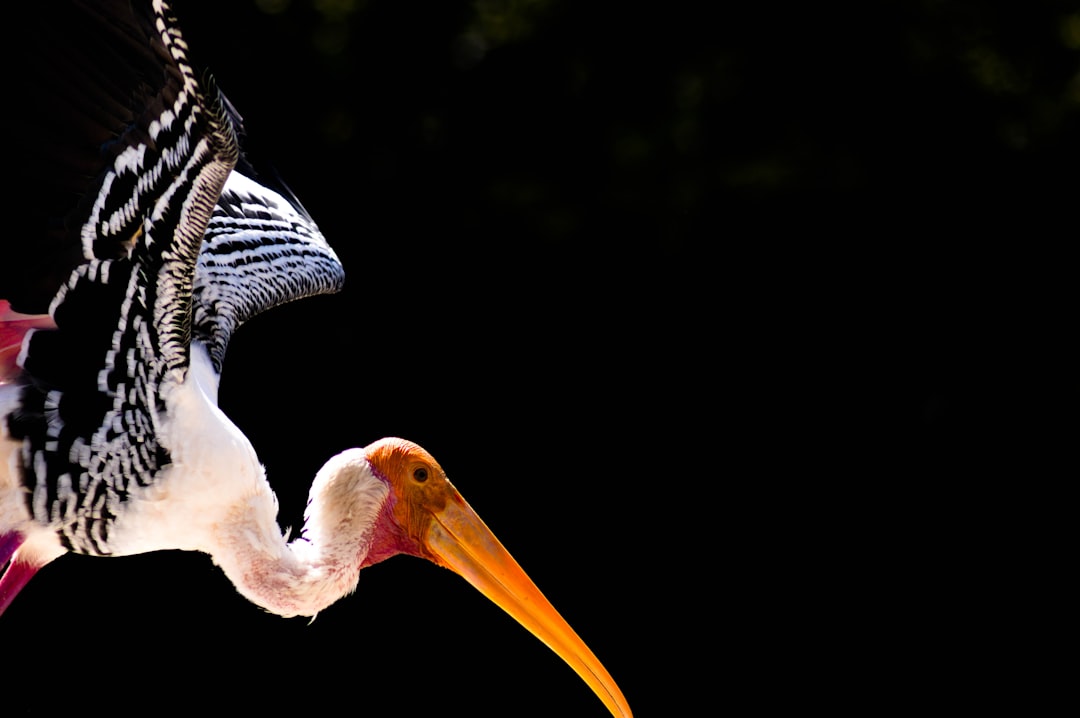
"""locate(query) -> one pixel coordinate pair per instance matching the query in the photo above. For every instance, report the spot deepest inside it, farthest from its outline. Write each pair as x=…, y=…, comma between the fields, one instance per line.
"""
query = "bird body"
x=158, y=242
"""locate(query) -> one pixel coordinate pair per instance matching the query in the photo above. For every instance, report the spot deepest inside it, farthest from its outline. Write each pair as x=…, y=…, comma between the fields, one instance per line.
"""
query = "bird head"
x=425, y=516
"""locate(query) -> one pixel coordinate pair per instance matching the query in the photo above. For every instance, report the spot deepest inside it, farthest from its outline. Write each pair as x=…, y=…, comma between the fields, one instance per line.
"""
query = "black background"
x=737, y=328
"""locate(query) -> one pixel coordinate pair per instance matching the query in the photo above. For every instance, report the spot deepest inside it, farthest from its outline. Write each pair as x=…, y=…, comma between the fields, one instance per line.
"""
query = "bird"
x=145, y=238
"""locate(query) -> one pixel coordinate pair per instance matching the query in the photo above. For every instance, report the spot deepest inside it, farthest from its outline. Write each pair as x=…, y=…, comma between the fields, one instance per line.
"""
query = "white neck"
x=234, y=517
x=305, y=576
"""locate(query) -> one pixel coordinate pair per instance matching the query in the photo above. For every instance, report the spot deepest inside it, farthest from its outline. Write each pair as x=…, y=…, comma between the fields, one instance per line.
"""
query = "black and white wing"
x=139, y=238
x=261, y=249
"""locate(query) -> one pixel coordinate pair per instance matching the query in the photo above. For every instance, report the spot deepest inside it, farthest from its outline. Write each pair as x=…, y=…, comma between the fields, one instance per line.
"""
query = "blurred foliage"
x=651, y=128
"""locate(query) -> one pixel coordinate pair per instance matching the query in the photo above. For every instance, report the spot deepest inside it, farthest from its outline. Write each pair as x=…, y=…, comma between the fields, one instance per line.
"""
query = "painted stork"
x=148, y=240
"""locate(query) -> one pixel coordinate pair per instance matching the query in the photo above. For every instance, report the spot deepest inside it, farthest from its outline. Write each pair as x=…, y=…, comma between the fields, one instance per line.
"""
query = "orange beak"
x=461, y=541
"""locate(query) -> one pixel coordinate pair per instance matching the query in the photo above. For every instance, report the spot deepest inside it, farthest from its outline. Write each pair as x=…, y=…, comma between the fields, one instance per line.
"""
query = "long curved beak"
x=463, y=543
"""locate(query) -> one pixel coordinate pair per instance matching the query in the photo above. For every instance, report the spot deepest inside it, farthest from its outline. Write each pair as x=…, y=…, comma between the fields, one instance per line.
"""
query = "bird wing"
x=137, y=238
x=261, y=249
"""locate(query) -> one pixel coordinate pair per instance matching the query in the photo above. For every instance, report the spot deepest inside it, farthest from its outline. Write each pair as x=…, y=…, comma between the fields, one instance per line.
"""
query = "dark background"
x=738, y=329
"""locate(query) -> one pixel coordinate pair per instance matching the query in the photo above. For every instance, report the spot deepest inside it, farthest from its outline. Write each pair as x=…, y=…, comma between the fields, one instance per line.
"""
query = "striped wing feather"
x=138, y=237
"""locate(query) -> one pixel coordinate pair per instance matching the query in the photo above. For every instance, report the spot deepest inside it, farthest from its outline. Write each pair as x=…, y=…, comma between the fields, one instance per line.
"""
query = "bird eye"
x=420, y=474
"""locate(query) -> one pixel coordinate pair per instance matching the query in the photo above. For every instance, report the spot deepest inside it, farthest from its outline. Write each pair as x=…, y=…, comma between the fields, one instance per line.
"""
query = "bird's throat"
x=302, y=577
